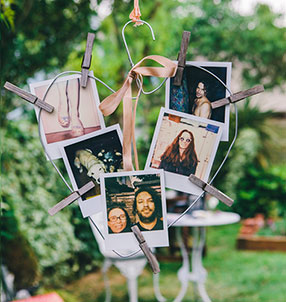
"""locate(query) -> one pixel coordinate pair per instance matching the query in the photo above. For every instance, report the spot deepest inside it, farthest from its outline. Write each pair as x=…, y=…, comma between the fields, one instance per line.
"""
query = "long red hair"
x=172, y=153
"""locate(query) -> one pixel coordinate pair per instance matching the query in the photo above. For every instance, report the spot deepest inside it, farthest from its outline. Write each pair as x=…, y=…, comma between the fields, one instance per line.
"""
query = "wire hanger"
x=124, y=40
x=130, y=59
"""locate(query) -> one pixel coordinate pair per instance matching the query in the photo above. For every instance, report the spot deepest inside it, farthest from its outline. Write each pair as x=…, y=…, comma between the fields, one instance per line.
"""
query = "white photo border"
x=92, y=205
x=173, y=180
x=53, y=148
x=204, y=64
x=155, y=238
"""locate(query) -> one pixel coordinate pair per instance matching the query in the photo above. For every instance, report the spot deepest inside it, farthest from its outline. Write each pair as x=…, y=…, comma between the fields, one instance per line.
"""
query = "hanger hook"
x=124, y=40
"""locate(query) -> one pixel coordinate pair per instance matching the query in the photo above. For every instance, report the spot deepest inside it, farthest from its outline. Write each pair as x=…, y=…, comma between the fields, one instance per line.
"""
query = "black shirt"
x=157, y=226
x=169, y=167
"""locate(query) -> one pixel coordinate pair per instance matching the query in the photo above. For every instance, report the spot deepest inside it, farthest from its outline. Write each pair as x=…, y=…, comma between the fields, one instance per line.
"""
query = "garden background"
x=40, y=39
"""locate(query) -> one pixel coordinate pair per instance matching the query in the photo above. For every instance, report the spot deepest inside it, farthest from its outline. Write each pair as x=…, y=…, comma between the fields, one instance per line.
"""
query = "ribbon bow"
x=109, y=104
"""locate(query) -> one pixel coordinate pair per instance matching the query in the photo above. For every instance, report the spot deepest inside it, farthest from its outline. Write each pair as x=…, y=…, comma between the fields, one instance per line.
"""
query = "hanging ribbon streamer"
x=135, y=14
x=109, y=104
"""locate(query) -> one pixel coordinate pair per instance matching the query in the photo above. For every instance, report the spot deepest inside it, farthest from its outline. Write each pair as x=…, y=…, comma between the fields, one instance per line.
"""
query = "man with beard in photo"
x=147, y=209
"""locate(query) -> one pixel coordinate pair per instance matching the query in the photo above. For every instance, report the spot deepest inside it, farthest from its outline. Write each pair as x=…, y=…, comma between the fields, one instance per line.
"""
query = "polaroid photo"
x=76, y=111
x=87, y=157
x=134, y=198
x=199, y=89
x=183, y=144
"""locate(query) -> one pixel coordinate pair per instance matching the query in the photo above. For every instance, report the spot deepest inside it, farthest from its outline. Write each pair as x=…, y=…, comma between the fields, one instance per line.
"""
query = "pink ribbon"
x=109, y=104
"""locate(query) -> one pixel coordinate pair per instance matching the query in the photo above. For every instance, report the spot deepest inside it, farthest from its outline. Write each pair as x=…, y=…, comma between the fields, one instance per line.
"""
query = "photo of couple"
x=146, y=210
x=134, y=198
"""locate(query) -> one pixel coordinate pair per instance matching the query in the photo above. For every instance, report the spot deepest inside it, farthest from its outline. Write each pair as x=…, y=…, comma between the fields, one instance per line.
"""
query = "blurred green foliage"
x=254, y=173
x=261, y=191
x=243, y=153
x=21, y=259
x=43, y=37
x=37, y=36
x=30, y=186
x=7, y=14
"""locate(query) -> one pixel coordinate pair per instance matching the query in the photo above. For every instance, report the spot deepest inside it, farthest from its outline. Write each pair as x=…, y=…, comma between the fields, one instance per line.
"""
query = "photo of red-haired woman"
x=180, y=156
x=183, y=145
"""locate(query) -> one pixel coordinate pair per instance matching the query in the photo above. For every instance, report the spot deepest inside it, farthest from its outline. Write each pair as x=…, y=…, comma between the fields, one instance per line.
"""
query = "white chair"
x=130, y=267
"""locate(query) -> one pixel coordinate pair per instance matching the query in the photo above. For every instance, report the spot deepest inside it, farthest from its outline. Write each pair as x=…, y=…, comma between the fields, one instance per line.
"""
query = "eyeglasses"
x=120, y=217
x=188, y=140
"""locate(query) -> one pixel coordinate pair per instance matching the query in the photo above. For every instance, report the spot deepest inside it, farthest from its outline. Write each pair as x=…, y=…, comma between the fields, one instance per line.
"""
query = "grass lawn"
x=233, y=276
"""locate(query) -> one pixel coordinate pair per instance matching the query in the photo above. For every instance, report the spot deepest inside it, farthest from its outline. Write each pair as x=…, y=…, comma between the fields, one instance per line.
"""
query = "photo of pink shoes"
x=76, y=110
x=68, y=110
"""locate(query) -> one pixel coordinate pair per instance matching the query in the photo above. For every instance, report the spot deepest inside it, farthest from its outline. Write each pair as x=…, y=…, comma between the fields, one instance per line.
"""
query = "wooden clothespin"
x=182, y=58
x=146, y=250
x=211, y=190
x=29, y=97
x=233, y=98
x=71, y=198
x=86, y=62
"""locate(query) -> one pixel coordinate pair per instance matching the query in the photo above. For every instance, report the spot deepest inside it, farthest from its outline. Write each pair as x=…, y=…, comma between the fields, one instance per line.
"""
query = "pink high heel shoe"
x=77, y=127
x=63, y=113
x=76, y=124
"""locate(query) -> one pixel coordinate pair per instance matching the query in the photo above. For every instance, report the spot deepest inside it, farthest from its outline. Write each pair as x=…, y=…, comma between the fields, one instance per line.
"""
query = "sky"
x=245, y=7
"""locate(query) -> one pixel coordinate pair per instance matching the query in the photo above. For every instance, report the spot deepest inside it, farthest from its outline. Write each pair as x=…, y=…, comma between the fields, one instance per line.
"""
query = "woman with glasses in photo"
x=180, y=156
x=118, y=219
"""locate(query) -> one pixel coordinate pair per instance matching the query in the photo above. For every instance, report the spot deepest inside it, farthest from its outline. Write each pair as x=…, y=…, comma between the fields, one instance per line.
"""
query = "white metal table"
x=199, y=220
